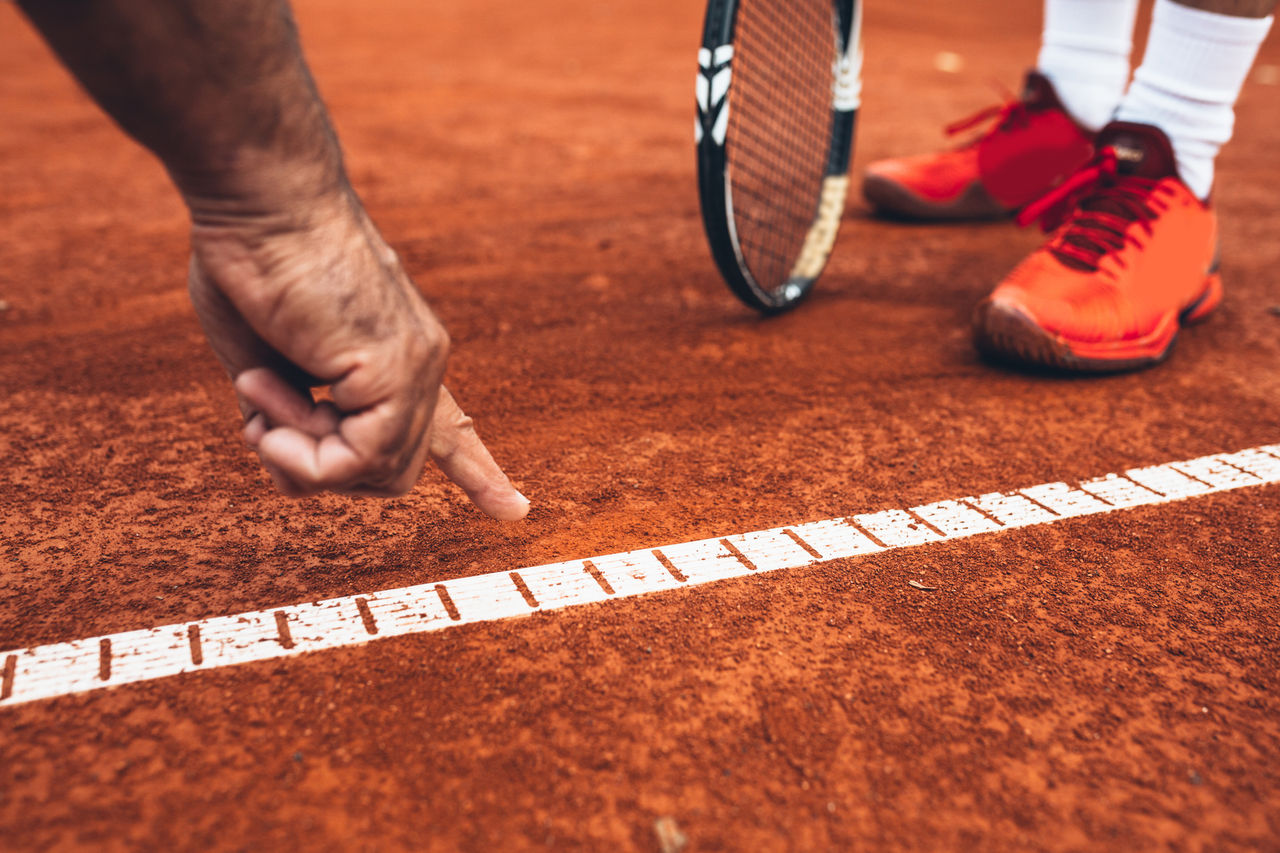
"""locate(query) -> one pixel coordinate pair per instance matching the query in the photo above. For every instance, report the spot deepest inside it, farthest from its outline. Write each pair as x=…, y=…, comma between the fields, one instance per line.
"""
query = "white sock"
x=1189, y=80
x=1085, y=54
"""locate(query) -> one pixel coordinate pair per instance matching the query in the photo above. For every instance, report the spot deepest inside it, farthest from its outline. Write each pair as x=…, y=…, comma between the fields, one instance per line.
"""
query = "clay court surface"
x=1105, y=682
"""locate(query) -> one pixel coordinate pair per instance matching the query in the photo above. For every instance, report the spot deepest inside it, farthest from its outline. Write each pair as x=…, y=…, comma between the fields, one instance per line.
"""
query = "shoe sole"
x=890, y=198
x=1007, y=332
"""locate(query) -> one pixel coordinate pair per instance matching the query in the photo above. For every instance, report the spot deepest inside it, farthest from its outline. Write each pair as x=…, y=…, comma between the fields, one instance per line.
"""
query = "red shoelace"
x=999, y=115
x=1092, y=211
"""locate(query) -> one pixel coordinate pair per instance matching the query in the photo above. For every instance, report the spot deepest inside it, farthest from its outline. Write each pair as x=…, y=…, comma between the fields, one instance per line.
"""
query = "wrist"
x=258, y=187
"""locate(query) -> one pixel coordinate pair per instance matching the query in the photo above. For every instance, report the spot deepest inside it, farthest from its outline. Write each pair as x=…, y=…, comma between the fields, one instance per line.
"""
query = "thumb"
x=463, y=458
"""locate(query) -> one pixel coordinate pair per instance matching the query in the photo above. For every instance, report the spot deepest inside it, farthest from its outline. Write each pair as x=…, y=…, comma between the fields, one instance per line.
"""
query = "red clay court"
x=1107, y=678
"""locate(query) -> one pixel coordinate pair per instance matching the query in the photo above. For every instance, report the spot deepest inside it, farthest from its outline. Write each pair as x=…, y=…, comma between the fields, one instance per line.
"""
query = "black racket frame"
x=714, y=181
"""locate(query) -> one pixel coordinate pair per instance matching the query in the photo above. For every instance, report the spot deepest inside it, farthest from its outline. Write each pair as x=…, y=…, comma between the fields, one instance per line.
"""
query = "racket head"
x=778, y=90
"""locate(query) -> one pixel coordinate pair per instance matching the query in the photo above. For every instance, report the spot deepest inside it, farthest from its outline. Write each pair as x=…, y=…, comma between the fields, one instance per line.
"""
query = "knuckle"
x=433, y=334
x=385, y=484
x=381, y=473
x=426, y=350
x=462, y=424
x=447, y=442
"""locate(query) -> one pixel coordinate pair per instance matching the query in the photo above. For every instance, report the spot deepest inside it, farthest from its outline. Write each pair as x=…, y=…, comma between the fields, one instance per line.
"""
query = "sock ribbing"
x=1195, y=65
x=1085, y=54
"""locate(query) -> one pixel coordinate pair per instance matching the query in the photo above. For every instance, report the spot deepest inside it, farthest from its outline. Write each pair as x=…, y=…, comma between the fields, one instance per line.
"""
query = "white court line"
x=78, y=666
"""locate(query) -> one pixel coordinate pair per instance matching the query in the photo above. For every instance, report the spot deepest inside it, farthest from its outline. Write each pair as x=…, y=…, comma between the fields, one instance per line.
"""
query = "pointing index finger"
x=458, y=452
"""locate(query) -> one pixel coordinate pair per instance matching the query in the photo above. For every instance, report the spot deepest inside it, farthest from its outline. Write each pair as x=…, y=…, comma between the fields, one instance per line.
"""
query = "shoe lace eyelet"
x=1094, y=212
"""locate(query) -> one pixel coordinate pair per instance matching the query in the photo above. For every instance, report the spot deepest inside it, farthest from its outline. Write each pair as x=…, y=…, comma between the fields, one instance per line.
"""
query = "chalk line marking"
x=79, y=666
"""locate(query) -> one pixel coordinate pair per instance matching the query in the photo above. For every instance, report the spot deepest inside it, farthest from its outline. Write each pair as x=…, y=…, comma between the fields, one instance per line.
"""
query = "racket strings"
x=779, y=129
x=784, y=100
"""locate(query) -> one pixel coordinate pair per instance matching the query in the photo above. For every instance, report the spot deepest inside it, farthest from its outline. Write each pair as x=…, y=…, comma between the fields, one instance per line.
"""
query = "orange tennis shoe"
x=1032, y=146
x=1132, y=257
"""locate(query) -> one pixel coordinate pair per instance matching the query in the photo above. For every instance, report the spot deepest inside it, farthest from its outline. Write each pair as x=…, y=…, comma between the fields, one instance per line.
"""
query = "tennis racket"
x=779, y=86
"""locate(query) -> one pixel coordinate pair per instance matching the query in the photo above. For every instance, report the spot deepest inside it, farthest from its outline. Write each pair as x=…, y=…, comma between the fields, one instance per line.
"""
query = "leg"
x=1085, y=54
x=1198, y=56
x=1235, y=8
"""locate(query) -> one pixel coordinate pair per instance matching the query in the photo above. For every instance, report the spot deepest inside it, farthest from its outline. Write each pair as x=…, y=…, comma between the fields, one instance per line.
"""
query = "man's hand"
x=291, y=281
x=292, y=305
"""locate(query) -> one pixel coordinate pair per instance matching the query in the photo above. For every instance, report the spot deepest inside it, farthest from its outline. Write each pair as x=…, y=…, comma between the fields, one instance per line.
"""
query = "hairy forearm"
x=217, y=89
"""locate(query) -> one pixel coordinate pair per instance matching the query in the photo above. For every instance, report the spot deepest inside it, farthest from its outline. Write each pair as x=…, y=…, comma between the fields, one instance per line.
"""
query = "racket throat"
x=821, y=238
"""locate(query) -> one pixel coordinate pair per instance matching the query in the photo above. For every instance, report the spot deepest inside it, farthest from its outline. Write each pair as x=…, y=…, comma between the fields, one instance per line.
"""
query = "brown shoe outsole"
x=892, y=199
x=1004, y=332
